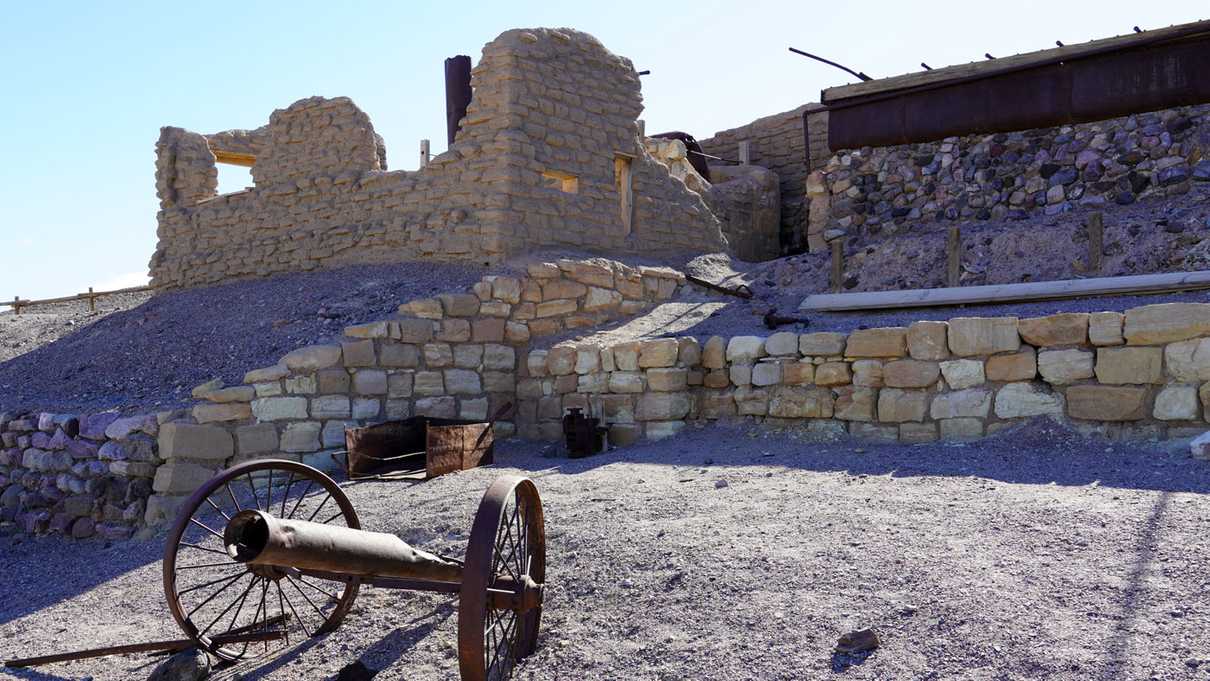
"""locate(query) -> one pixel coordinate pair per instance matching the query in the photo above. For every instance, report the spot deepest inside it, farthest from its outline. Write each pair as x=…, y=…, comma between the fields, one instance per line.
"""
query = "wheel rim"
x=210, y=593
x=508, y=540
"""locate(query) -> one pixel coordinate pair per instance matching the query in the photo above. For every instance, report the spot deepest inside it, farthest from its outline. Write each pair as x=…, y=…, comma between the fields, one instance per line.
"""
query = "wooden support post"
x=424, y=153
x=837, y=263
x=953, y=257
x=16, y=304
x=92, y=301
x=1096, y=242
x=745, y=153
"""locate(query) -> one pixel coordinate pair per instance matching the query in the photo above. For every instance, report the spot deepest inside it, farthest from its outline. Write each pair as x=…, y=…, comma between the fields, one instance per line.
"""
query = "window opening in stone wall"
x=564, y=182
x=234, y=171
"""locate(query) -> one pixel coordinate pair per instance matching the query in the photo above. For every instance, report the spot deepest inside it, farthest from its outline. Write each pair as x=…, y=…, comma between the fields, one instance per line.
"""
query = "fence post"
x=1096, y=242
x=837, y=263
x=424, y=153
x=92, y=301
x=953, y=257
x=16, y=304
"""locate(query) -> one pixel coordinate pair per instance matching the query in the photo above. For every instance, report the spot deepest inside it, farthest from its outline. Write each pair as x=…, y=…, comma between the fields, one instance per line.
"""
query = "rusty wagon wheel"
x=506, y=556
x=210, y=593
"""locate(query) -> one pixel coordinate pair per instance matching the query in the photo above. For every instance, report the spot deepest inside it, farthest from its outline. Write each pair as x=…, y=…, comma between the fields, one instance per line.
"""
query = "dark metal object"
x=741, y=291
x=275, y=530
x=458, y=93
x=773, y=320
x=697, y=158
x=1159, y=70
x=926, y=67
x=645, y=73
x=584, y=434
x=170, y=646
x=403, y=449
x=859, y=74
x=987, y=56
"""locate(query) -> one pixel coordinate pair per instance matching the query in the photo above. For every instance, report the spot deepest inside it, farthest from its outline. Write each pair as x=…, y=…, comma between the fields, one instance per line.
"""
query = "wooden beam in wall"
x=1168, y=282
x=234, y=158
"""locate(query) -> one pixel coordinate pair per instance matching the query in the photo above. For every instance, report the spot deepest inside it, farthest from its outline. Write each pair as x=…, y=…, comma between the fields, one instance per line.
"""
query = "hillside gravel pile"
x=151, y=355
x=743, y=553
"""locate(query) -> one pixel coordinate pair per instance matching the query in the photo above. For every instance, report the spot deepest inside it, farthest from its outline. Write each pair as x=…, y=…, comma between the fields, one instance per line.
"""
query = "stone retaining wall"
x=1008, y=176
x=548, y=155
x=456, y=355
x=1134, y=375
x=77, y=476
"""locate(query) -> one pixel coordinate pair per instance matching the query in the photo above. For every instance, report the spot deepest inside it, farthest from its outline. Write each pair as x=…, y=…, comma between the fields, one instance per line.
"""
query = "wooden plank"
x=235, y=158
x=21, y=302
x=1096, y=242
x=837, y=263
x=991, y=66
x=1003, y=293
x=953, y=256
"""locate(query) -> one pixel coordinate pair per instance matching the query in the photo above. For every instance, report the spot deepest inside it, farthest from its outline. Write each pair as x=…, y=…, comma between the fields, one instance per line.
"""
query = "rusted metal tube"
x=260, y=539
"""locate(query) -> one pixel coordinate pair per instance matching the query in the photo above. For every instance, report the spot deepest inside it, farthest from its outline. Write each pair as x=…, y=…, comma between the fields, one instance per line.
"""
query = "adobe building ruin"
x=548, y=155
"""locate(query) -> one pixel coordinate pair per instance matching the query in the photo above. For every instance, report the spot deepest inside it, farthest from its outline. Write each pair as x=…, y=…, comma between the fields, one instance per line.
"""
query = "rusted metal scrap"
x=419, y=447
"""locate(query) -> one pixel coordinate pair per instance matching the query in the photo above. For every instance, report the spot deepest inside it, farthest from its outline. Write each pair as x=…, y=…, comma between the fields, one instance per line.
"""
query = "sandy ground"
x=735, y=552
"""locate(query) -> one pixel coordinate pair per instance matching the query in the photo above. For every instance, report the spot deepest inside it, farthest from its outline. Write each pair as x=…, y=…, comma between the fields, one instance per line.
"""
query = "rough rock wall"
x=747, y=200
x=77, y=476
x=1142, y=374
x=1007, y=176
x=777, y=142
x=547, y=104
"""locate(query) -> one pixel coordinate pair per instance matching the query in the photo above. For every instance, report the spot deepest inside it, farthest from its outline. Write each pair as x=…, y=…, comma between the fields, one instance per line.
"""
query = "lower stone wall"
x=1008, y=176
x=1139, y=374
x=78, y=476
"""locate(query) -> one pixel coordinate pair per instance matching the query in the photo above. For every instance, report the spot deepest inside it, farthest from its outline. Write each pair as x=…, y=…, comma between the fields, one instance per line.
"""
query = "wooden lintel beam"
x=234, y=158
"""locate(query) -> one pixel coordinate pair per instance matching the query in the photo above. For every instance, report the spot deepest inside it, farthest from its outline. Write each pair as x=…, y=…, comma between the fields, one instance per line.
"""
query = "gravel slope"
x=1034, y=555
x=37, y=326
x=151, y=356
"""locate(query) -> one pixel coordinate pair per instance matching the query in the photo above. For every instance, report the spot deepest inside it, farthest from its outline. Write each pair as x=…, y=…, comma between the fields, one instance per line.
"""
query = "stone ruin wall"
x=778, y=143
x=546, y=103
x=884, y=191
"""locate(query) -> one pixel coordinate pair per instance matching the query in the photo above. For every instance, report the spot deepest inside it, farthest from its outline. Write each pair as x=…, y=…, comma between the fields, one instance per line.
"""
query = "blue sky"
x=87, y=85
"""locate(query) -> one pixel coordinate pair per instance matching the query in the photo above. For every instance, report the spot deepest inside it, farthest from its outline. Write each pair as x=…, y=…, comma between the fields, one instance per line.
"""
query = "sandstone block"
x=1177, y=403
x=428, y=384
x=890, y=342
x=400, y=384
x=1019, y=400
x=822, y=344
x=499, y=382
x=745, y=349
x=928, y=340
x=1133, y=365
x=867, y=373
x=1019, y=366
x=241, y=393
x=961, y=429
x=1061, y=367
x=333, y=433
x=370, y=382
x=963, y=373
x=259, y=438
x=468, y=356
x=507, y=289
x=969, y=403
x=1166, y=323
x=910, y=373
x=618, y=408
x=181, y=477
x=588, y=359
x=751, y=401
x=601, y=299
x=279, y=408
x=163, y=509
x=1105, y=328
x=716, y=378
x=400, y=355
x=499, y=357
x=561, y=360
x=212, y=413
x=555, y=308
x=832, y=373
x=425, y=308
x=187, y=441
x=916, y=433
x=412, y=331
x=473, y=410
x=358, y=353
x=855, y=404
x=437, y=407
x=301, y=437
x=454, y=331
x=661, y=352
x=624, y=434
x=796, y=403
x=766, y=373
x=462, y=382
x=797, y=373
x=782, y=343
x=197, y=393
x=662, y=406
x=896, y=405
x=626, y=356
x=330, y=407
x=305, y=384
x=714, y=353
x=871, y=432
x=1107, y=403
x=1068, y=328
x=369, y=330
x=666, y=379
x=312, y=358
x=1188, y=360
x=459, y=304
x=983, y=335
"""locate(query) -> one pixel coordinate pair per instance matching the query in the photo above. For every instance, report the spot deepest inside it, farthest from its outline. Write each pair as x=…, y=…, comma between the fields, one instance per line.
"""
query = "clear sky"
x=87, y=85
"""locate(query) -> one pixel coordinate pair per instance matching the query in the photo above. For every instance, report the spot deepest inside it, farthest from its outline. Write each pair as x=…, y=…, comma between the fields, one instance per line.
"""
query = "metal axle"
x=260, y=539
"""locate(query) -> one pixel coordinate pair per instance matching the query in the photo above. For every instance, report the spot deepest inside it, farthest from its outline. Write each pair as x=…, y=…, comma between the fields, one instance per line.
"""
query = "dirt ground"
x=43, y=324
x=736, y=552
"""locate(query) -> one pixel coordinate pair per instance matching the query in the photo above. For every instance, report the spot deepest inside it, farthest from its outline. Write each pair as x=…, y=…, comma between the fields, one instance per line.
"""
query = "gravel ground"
x=150, y=356
x=735, y=552
x=37, y=326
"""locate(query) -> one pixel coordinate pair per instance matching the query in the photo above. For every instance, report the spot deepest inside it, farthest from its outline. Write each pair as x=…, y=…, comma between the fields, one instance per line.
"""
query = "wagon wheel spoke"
x=240, y=601
x=298, y=502
x=286, y=496
x=301, y=623
x=325, y=592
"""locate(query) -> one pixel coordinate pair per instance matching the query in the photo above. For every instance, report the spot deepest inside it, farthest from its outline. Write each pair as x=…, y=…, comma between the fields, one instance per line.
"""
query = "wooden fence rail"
x=91, y=296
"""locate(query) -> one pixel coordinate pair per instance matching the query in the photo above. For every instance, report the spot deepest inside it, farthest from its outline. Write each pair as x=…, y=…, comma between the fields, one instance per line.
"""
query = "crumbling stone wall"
x=547, y=104
x=778, y=143
x=77, y=476
x=1009, y=176
x=1141, y=374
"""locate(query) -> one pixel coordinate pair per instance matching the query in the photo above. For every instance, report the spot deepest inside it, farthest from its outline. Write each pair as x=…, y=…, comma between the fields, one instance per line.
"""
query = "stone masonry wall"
x=777, y=143
x=1008, y=176
x=1145, y=373
x=453, y=356
x=77, y=475
x=548, y=106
